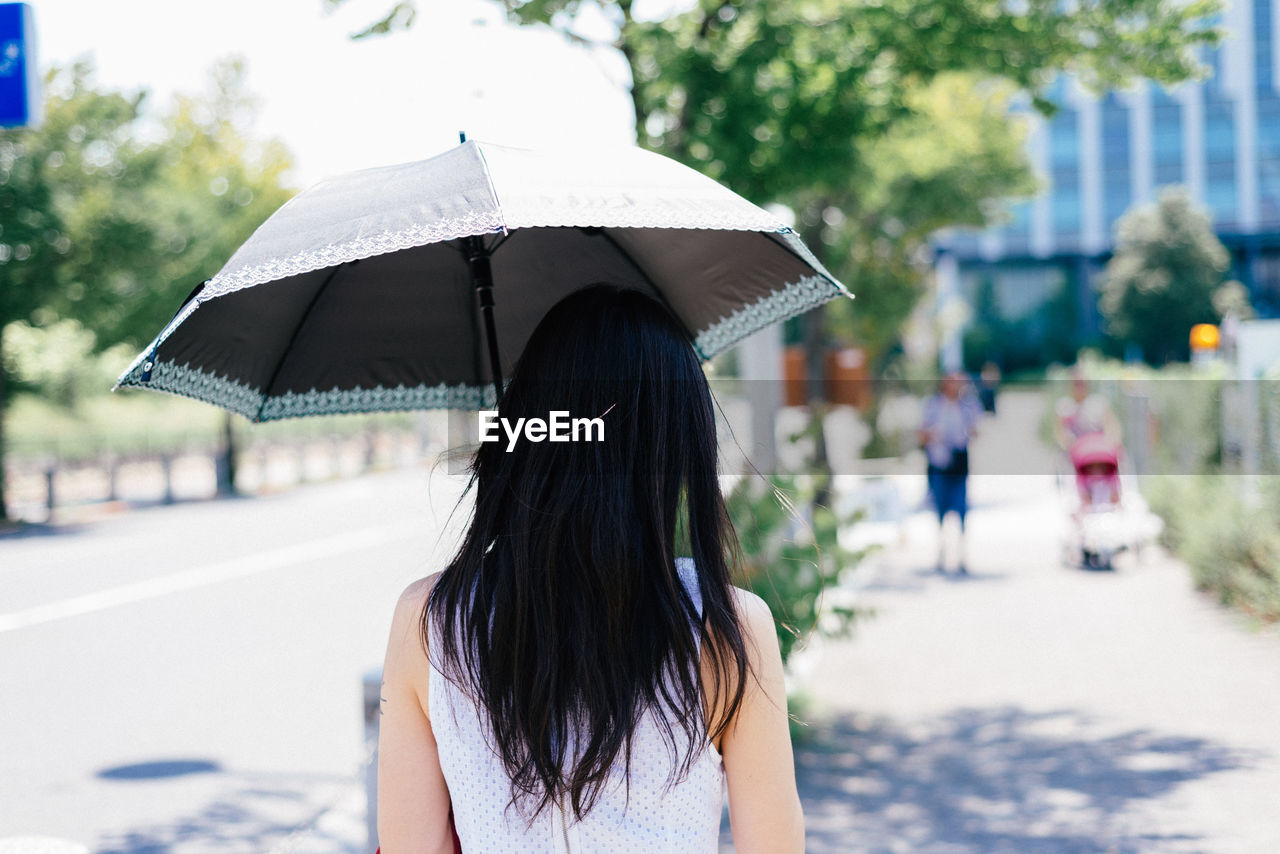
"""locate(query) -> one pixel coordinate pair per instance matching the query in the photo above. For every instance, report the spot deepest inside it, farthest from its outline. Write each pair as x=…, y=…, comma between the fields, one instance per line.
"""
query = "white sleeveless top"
x=651, y=816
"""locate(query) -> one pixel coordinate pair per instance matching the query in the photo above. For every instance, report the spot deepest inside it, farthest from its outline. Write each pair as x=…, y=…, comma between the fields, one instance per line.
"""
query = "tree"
x=216, y=185
x=71, y=209
x=943, y=164
x=1163, y=278
x=107, y=222
x=798, y=102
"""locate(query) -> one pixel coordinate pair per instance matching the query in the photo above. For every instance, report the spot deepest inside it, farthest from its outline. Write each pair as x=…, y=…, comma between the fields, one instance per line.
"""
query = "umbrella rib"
x=266, y=389
x=632, y=261
x=623, y=252
x=493, y=190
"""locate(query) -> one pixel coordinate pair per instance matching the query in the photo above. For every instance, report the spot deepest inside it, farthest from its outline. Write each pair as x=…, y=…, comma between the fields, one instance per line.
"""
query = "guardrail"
x=47, y=489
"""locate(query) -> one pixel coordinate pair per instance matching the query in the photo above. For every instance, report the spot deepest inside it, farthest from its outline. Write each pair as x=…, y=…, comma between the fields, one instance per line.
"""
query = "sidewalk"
x=1038, y=708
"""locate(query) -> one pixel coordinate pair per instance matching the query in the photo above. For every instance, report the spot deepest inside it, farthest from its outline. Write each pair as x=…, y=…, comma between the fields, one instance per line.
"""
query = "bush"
x=792, y=560
x=1232, y=545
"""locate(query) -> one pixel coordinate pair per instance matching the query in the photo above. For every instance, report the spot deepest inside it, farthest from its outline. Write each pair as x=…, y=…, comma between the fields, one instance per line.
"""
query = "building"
x=1098, y=156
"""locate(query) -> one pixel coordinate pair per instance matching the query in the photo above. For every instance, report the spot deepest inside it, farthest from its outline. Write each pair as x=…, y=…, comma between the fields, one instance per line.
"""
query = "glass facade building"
x=1099, y=156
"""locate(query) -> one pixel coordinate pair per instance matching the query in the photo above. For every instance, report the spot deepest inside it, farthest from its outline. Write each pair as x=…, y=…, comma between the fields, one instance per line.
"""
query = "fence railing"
x=41, y=488
x=1199, y=425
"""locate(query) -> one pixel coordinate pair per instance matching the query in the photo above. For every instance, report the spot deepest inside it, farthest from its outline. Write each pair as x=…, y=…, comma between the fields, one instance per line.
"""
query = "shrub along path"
x=1033, y=707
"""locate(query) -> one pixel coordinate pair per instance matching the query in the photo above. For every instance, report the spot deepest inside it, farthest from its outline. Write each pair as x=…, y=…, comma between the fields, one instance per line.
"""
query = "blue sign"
x=20, y=102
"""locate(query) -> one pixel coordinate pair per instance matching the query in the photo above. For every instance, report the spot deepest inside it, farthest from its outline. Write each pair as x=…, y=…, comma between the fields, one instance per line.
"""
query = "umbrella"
x=416, y=286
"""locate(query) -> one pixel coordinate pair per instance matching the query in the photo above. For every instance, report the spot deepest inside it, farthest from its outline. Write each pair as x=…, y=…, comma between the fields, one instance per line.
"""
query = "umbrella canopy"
x=359, y=295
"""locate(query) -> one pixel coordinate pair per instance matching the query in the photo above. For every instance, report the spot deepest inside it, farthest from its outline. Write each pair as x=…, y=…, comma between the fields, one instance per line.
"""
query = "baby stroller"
x=1100, y=530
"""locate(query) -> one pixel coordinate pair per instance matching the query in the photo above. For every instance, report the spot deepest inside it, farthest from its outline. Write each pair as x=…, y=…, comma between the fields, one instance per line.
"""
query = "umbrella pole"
x=482, y=278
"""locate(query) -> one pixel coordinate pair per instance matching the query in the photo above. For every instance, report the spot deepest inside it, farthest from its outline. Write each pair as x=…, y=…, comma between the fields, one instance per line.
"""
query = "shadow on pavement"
x=31, y=530
x=248, y=814
x=992, y=780
x=160, y=769
x=920, y=578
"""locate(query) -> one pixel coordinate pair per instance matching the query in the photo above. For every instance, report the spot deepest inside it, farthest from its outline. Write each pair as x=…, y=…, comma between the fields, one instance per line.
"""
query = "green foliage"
x=72, y=210
x=1167, y=268
x=217, y=185
x=59, y=362
x=399, y=17
x=772, y=97
x=110, y=215
x=791, y=561
x=941, y=165
x=1232, y=546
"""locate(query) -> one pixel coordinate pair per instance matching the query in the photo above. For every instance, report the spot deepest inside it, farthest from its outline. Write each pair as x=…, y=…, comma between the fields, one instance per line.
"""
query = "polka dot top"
x=684, y=817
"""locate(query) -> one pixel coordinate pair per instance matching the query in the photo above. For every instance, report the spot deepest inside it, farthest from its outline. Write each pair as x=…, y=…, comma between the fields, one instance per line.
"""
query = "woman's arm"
x=764, y=806
x=413, y=800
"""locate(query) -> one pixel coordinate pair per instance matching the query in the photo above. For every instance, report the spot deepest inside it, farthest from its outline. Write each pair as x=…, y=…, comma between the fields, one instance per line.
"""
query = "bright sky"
x=341, y=105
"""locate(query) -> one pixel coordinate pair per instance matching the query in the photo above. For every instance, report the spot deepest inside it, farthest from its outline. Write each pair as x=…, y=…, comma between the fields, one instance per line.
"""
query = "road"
x=188, y=678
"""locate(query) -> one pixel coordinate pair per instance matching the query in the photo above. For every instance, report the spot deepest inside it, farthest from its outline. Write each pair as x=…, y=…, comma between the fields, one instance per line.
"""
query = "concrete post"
x=951, y=313
x=50, y=497
x=1136, y=432
x=760, y=365
x=166, y=465
x=112, y=463
x=372, y=714
x=463, y=438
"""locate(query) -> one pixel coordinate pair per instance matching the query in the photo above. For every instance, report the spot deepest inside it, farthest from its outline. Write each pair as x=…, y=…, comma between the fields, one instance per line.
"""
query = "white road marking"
x=40, y=845
x=202, y=576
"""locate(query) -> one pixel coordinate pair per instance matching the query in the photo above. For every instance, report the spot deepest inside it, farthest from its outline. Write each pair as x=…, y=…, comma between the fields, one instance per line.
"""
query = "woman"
x=949, y=423
x=568, y=683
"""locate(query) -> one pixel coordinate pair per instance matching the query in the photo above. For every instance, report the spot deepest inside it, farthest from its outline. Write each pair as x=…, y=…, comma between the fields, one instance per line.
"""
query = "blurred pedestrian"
x=988, y=385
x=949, y=423
x=567, y=682
x=1084, y=413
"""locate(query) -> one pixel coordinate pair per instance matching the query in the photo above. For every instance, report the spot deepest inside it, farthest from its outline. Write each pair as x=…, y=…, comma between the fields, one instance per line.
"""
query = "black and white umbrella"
x=416, y=286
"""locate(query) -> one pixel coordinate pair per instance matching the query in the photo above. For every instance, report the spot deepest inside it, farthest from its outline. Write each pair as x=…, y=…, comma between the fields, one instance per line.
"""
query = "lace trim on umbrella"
x=379, y=399
x=791, y=300
x=207, y=386
x=695, y=216
x=248, y=401
x=350, y=250
x=135, y=371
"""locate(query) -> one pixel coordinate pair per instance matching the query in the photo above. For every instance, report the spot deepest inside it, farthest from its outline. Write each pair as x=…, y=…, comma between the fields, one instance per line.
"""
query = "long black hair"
x=563, y=613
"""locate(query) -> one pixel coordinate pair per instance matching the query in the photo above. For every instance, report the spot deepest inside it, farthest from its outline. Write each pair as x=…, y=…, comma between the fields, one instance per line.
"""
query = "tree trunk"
x=815, y=348
x=4, y=510
x=226, y=464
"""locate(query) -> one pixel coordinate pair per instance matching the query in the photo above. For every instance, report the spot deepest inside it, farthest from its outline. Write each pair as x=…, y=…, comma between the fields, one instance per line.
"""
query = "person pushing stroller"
x=1087, y=430
x=1089, y=434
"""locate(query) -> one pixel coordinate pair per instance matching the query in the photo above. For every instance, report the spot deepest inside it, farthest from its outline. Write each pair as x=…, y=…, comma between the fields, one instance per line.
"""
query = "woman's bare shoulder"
x=753, y=612
x=406, y=660
x=406, y=622
x=415, y=595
